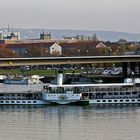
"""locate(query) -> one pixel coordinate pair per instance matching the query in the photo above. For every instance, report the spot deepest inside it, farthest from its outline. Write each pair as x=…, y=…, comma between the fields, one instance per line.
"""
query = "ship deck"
x=9, y=88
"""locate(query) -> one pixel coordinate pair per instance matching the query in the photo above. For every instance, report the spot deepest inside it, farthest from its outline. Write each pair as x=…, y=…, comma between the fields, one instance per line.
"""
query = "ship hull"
x=23, y=102
x=114, y=101
x=80, y=102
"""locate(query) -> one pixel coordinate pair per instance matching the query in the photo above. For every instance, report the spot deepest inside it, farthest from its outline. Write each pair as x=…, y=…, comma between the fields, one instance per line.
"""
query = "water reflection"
x=69, y=122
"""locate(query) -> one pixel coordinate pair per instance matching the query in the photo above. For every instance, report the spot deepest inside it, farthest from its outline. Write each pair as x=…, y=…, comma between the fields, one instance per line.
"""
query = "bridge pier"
x=138, y=64
x=132, y=68
x=124, y=70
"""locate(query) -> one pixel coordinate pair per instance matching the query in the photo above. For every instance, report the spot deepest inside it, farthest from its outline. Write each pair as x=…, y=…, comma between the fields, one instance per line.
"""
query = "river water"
x=70, y=123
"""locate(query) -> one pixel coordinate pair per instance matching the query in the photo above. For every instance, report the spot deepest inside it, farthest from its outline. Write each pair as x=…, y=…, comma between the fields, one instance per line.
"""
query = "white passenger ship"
x=79, y=94
x=115, y=93
x=118, y=93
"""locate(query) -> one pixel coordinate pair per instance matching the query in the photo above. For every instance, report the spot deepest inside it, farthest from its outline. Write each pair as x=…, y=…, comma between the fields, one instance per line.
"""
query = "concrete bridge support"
x=138, y=65
x=124, y=70
x=132, y=69
x=132, y=66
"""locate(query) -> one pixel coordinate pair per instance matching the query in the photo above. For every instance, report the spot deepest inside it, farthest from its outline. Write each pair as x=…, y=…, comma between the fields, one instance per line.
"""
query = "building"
x=71, y=39
x=7, y=35
x=35, y=49
x=45, y=36
x=101, y=45
x=55, y=49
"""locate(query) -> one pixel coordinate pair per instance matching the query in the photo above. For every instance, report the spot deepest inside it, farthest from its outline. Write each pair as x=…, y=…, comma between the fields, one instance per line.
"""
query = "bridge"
x=132, y=61
x=69, y=60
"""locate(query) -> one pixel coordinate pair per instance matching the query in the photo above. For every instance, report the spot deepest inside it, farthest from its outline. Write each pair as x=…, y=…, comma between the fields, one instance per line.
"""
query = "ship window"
x=29, y=101
x=98, y=100
x=34, y=101
x=109, y=100
x=104, y=100
x=138, y=100
x=134, y=93
x=23, y=102
x=127, y=93
x=12, y=102
x=127, y=100
x=121, y=100
x=18, y=101
x=7, y=101
x=133, y=100
x=1, y=101
x=115, y=100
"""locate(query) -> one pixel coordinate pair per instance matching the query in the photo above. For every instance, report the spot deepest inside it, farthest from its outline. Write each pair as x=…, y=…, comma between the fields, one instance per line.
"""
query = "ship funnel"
x=60, y=78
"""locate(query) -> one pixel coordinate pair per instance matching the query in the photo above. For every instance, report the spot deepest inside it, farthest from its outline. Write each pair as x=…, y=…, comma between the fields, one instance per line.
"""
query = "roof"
x=26, y=45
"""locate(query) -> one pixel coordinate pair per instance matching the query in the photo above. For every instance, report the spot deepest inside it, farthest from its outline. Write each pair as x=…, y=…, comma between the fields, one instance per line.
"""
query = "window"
x=115, y=100
x=34, y=101
x=29, y=101
x=128, y=93
x=98, y=100
x=109, y=100
x=138, y=100
x=23, y=102
x=104, y=100
x=134, y=93
x=121, y=100
x=12, y=102
x=7, y=101
x=133, y=100
x=17, y=101
x=1, y=101
x=127, y=100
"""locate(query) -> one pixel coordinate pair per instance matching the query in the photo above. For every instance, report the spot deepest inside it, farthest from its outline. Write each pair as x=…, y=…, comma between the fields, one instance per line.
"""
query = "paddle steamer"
x=79, y=94
x=99, y=93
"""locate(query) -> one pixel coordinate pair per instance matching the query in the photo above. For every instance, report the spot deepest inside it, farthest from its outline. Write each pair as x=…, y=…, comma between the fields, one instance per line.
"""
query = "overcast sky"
x=112, y=15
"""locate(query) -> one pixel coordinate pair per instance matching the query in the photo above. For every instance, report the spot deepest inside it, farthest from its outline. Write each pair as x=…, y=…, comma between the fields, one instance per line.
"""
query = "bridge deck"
x=68, y=60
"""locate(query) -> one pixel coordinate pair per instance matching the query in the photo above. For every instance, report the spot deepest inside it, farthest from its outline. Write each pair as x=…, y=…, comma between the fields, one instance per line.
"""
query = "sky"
x=103, y=15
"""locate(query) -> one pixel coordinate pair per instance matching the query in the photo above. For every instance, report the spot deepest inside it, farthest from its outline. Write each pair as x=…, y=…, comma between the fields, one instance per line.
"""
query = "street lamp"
x=79, y=52
x=13, y=53
x=25, y=52
x=46, y=53
x=110, y=51
x=87, y=52
x=105, y=51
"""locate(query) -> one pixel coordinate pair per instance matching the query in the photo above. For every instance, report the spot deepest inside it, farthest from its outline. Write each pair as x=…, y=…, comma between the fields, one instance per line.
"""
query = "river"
x=70, y=123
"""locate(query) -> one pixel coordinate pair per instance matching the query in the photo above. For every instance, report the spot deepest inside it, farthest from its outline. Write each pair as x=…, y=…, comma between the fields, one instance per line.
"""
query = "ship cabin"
x=96, y=91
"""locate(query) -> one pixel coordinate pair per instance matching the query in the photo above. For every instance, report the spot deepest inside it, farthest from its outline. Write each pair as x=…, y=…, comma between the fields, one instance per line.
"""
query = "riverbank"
x=34, y=72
